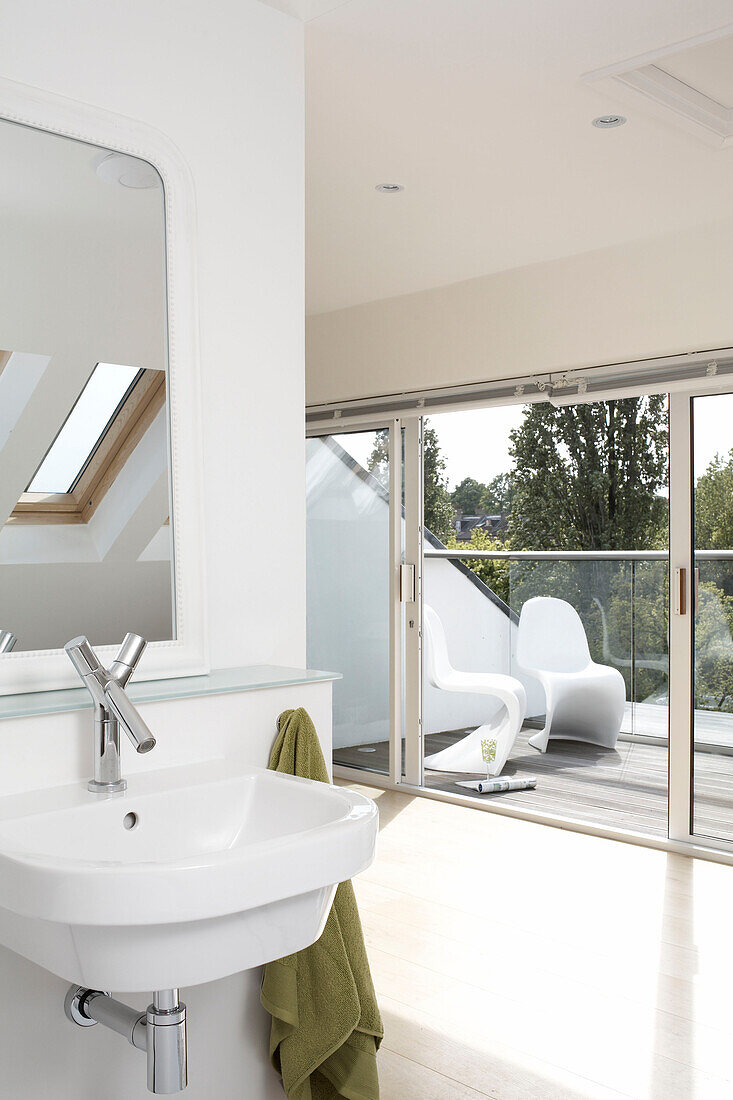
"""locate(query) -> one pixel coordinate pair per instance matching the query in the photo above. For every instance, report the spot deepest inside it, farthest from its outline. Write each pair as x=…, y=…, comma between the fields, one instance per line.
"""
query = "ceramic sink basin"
x=191, y=874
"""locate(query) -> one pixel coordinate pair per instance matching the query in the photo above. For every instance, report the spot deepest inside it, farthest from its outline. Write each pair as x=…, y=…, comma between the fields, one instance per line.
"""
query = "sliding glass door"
x=712, y=610
x=535, y=506
x=428, y=537
x=623, y=510
x=350, y=587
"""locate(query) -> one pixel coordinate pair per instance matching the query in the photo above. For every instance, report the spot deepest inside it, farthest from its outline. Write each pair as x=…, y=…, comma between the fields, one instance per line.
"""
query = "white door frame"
x=681, y=625
x=413, y=631
x=396, y=605
x=406, y=657
x=680, y=618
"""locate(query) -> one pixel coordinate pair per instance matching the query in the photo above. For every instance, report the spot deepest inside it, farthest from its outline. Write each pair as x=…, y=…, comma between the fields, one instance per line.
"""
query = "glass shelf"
x=221, y=681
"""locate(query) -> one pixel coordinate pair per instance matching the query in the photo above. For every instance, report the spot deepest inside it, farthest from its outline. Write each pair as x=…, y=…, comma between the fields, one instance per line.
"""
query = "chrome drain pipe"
x=161, y=1031
x=166, y=1046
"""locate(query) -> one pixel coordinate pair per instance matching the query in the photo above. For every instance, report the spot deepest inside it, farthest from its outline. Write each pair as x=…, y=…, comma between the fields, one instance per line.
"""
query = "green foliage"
x=437, y=502
x=498, y=496
x=714, y=618
x=438, y=508
x=714, y=506
x=494, y=573
x=592, y=477
x=473, y=498
x=588, y=476
x=713, y=649
x=468, y=495
x=378, y=463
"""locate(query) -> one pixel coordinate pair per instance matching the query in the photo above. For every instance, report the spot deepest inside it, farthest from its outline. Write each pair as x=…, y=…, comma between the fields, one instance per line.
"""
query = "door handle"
x=408, y=580
x=680, y=592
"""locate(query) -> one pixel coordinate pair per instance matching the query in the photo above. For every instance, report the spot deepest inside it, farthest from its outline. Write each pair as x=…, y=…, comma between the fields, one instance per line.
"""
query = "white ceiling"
x=53, y=179
x=477, y=107
x=305, y=9
x=708, y=68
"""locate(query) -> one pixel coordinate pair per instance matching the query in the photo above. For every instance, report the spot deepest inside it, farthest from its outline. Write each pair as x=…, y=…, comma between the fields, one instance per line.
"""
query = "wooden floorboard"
x=624, y=787
x=519, y=962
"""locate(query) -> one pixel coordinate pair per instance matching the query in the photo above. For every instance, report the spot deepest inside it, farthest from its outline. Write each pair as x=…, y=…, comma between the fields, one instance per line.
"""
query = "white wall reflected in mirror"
x=85, y=490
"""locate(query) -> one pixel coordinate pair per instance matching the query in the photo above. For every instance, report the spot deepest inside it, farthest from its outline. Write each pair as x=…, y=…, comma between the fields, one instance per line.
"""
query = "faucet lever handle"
x=83, y=657
x=128, y=658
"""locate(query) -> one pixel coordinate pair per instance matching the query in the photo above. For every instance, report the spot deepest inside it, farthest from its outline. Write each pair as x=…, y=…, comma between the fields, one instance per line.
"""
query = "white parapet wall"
x=481, y=636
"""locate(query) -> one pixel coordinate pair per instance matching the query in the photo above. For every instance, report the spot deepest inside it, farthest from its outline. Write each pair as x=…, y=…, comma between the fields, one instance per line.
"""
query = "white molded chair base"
x=466, y=755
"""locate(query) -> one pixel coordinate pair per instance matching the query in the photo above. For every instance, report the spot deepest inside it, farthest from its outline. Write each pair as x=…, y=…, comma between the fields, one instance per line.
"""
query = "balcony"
x=622, y=598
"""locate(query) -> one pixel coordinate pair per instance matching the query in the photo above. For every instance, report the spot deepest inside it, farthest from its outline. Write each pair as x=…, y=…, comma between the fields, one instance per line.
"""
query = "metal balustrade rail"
x=572, y=555
x=714, y=729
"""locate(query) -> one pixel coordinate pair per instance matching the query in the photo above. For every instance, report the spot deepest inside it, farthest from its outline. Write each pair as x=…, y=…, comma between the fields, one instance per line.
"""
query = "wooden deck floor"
x=622, y=788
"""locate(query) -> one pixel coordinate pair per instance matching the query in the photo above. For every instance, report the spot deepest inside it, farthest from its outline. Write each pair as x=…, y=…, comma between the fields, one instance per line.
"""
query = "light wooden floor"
x=522, y=962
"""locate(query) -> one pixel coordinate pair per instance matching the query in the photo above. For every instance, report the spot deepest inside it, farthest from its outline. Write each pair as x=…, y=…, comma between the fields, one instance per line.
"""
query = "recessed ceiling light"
x=127, y=171
x=389, y=188
x=607, y=122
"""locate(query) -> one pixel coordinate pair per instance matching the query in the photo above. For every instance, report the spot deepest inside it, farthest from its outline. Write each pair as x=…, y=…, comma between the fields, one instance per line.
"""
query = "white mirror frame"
x=42, y=670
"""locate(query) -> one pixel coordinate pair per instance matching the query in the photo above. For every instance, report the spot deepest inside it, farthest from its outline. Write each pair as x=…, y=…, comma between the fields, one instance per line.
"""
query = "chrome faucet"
x=112, y=708
x=7, y=641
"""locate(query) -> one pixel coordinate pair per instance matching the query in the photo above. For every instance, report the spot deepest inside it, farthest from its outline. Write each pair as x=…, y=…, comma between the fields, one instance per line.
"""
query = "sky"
x=712, y=418
x=102, y=394
x=476, y=444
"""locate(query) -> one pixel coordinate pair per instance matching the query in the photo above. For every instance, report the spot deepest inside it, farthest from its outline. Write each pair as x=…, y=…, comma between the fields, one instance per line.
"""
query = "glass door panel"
x=534, y=501
x=712, y=594
x=348, y=588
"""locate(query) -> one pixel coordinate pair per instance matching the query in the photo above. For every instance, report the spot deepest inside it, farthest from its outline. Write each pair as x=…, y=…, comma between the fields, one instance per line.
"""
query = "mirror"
x=85, y=486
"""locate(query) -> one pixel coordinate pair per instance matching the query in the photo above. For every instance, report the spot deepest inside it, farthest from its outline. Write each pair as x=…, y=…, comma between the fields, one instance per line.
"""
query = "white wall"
x=55, y=601
x=85, y=260
x=481, y=638
x=44, y=1057
x=59, y=580
x=662, y=296
x=83, y=281
x=223, y=80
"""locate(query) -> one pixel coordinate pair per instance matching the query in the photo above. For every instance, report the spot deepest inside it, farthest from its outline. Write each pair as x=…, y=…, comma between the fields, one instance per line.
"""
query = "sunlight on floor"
x=516, y=961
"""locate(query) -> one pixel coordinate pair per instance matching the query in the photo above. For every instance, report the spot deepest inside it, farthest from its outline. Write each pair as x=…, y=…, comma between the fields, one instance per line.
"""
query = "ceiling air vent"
x=690, y=84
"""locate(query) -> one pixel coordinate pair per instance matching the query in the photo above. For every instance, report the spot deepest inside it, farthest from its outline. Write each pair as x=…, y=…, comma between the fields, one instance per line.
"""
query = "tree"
x=495, y=573
x=468, y=495
x=437, y=502
x=590, y=476
x=713, y=648
x=714, y=506
x=378, y=462
x=714, y=617
x=497, y=496
x=438, y=509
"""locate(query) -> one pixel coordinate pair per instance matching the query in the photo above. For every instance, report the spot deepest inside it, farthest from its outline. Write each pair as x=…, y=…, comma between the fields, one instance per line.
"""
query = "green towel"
x=326, y=1026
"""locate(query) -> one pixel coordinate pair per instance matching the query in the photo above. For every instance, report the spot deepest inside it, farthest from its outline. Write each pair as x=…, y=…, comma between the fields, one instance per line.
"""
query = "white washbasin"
x=225, y=867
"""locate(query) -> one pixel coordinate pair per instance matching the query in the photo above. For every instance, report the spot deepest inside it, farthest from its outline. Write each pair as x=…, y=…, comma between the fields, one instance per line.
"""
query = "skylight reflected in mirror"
x=84, y=428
